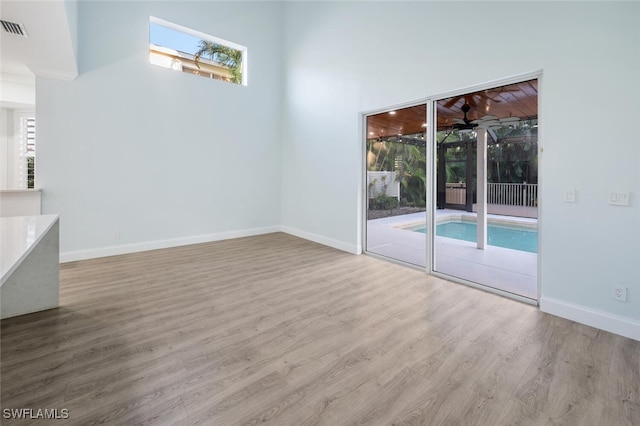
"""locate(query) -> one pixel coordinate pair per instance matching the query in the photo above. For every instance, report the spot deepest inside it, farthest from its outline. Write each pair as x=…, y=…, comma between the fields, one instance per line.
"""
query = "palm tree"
x=412, y=174
x=224, y=55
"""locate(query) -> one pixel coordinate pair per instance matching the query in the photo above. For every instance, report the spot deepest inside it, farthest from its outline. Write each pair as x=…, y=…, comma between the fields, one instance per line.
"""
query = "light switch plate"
x=618, y=198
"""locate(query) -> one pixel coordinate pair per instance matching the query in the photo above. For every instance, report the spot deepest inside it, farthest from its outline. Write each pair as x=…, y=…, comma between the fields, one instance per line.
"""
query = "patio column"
x=469, y=181
x=441, y=180
x=481, y=178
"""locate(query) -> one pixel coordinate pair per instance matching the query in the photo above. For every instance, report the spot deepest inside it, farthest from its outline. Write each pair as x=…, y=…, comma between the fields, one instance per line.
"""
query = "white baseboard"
x=623, y=326
x=340, y=245
x=71, y=256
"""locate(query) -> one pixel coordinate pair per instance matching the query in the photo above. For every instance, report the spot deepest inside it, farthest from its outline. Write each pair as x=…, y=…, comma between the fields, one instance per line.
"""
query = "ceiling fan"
x=487, y=121
x=473, y=99
x=483, y=96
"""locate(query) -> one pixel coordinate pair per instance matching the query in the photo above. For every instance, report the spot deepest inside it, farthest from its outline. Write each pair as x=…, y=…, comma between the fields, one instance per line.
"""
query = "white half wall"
x=131, y=155
x=342, y=59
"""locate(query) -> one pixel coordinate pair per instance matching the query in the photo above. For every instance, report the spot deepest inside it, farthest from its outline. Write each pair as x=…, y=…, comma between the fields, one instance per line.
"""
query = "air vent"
x=13, y=28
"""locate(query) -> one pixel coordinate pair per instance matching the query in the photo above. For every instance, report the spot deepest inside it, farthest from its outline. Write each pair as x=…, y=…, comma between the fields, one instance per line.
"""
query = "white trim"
x=485, y=288
x=393, y=107
x=617, y=324
x=53, y=73
x=364, y=196
x=340, y=245
x=71, y=256
x=363, y=207
x=196, y=33
x=540, y=205
x=362, y=201
x=396, y=261
x=431, y=174
x=21, y=190
x=519, y=78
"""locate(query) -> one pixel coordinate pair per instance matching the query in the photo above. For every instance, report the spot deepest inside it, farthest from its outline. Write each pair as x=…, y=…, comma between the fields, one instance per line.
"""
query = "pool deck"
x=509, y=270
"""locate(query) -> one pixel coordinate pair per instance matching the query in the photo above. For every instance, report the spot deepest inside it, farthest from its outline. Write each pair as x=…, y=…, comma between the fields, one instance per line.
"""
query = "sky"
x=167, y=37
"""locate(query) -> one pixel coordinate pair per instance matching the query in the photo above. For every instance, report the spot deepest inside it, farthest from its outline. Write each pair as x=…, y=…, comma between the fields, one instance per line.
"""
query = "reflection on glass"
x=505, y=119
x=396, y=184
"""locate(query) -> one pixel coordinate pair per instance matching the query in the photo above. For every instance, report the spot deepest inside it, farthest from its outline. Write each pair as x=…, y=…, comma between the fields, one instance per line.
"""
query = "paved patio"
x=509, y=270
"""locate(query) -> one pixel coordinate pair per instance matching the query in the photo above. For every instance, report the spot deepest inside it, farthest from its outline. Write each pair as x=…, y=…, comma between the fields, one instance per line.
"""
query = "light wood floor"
x=277, y=330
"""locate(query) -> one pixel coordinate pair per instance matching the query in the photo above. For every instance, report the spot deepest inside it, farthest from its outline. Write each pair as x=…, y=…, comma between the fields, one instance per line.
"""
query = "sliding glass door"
x=474, y=215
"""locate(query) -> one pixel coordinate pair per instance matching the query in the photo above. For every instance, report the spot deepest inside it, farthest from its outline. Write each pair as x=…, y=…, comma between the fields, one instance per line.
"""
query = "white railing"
x=510, y=194
x=513, y=194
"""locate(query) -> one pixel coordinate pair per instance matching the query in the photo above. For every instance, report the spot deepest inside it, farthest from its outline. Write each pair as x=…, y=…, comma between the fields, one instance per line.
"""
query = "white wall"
x=345, y=58
x=71, y=10
x=160, y=156
x=5, y=137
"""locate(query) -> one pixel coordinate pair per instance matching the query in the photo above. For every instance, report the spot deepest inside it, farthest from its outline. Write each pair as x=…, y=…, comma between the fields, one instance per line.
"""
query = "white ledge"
x=20, y=190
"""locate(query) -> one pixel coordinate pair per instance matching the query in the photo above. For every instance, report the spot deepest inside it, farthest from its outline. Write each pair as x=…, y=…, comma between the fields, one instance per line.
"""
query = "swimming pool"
x=500, y=236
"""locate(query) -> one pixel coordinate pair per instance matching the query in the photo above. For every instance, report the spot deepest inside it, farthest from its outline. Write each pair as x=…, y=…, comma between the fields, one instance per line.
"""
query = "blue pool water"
x=501, y=236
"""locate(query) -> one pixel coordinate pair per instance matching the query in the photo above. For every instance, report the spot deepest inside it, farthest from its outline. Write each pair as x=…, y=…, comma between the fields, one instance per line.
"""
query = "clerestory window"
x=186, y=50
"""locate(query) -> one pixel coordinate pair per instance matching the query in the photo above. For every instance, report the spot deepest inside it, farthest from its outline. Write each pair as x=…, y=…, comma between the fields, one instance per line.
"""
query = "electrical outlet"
x=620, y=294
x=116, y=235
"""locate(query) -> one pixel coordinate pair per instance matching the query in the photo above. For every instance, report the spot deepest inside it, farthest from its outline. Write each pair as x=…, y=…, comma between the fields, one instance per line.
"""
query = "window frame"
x=207, y=37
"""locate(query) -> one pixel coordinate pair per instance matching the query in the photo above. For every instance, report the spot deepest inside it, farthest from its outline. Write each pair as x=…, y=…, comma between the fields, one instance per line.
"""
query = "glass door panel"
x=396, y=182
x=486, y=211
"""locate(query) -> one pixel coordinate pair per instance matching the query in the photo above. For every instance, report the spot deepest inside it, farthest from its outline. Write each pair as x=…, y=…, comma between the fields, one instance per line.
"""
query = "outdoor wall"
x=158, y=157
x=342, y=59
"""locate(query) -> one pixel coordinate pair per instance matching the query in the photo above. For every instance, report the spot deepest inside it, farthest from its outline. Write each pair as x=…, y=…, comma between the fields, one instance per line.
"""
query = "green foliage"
x=409, y=164
x=515, y=158
x=456, y=172
x=513, y=163
x=413, y=176
x=510, y=161
x=383, y=202
x=31, y=173
x=456, y=154
x=224, y=55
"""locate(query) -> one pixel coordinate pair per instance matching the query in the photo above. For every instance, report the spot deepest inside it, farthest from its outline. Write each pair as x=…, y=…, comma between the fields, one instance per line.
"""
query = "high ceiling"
x=514, y=100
